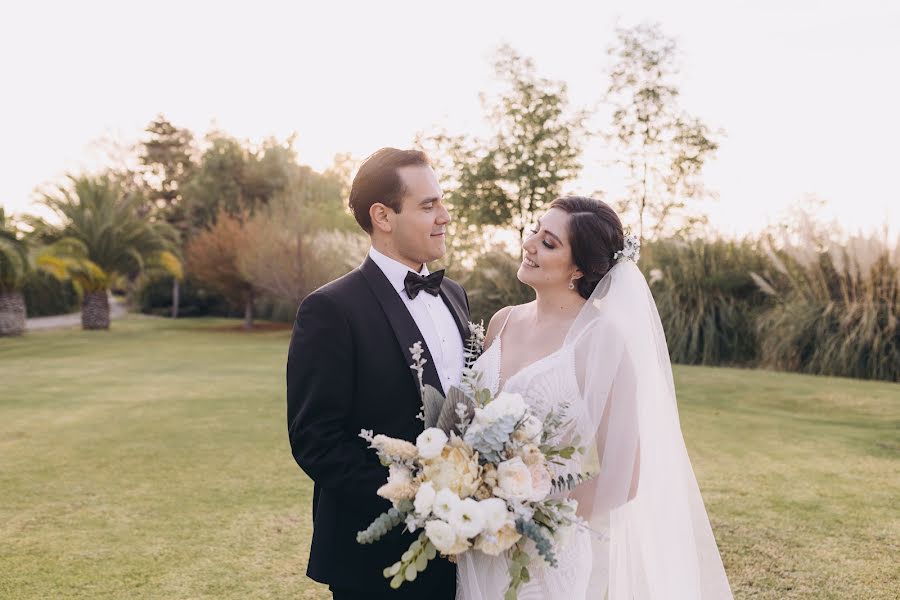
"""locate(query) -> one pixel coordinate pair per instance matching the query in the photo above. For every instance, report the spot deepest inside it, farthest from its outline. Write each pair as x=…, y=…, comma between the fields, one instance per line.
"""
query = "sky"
x=805, y=91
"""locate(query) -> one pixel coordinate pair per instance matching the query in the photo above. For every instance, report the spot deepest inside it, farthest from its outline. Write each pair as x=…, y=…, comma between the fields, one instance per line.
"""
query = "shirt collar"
x=394, y=270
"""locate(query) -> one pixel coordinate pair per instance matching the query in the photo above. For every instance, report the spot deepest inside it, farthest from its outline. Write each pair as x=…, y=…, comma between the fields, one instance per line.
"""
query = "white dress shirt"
x=432, y=317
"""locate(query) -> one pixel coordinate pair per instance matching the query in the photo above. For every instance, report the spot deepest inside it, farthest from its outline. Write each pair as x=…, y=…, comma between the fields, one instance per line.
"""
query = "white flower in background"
x=504, y=405
x=514, y=480
x=655, y=275
x=496, y=515
x=424, y=499
x=441, y=535
x=529, y=430
x=431, y=442
x=445, y=502
x=467, y=518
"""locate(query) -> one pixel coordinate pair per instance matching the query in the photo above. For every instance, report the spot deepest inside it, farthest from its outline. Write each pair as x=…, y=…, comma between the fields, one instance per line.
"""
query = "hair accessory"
x=631, y=250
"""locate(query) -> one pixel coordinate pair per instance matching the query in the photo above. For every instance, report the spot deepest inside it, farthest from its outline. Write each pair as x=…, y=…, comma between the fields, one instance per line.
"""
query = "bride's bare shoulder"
x=497, y=321
x=500, y=319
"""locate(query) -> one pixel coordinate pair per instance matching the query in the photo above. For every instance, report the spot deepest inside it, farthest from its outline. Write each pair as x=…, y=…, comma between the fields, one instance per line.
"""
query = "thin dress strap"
x=502, y=327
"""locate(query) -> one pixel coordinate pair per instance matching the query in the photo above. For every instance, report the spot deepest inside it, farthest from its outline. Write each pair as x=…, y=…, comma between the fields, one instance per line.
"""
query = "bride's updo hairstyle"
x=595, y=235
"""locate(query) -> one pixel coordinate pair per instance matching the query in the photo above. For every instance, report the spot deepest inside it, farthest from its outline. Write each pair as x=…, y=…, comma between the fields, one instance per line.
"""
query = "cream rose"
x=514, y=480
x=541, y=482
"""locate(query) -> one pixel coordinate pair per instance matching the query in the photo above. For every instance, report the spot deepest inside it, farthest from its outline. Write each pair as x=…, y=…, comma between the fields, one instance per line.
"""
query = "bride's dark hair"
x=595, y=235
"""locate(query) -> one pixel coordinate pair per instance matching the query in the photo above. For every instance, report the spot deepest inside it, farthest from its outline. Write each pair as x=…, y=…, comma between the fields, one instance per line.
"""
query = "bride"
x=593, y=340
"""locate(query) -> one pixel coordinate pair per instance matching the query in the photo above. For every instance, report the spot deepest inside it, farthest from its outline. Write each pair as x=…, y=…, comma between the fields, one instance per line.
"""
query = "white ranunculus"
x=467, y=518
x=445, y=501
x=530, y=429
x=431, y=442
x=514, y=480
x=496, y=515
x=441, y=535
x=424, y=499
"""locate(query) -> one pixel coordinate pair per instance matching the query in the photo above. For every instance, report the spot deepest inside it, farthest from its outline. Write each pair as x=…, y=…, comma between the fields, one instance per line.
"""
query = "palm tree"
x=103, y=240
x=14, y=265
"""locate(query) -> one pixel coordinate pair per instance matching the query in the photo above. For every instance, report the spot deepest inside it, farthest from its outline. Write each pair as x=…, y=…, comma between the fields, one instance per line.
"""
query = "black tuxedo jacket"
x=347, y=370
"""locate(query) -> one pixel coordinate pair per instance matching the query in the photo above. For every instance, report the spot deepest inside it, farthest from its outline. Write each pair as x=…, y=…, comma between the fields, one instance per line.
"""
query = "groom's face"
x=418, y=231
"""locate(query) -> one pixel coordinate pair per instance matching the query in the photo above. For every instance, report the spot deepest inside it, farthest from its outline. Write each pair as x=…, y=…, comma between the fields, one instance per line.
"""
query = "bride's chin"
x=522, y=275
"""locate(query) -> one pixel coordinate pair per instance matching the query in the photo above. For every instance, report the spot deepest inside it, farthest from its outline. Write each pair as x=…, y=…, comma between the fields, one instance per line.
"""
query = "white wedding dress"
x=648, y=535
x=545, y=384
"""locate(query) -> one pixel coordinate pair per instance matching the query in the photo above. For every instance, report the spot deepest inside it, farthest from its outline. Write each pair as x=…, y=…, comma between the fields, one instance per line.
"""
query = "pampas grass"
x=836, y=303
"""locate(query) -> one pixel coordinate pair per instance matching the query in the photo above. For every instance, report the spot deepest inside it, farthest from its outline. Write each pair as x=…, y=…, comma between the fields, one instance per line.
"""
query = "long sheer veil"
x=651, y=536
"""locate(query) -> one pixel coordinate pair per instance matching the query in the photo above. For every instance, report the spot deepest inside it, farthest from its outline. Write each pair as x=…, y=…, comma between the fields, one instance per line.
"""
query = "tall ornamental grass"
x=707, y=299
x=836, y=305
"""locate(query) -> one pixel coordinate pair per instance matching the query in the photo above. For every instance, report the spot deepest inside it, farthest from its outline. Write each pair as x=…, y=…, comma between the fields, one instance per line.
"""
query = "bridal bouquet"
x=478, y=477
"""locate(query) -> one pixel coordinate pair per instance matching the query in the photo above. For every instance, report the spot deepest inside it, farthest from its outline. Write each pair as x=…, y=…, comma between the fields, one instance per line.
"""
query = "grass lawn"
x=152, y=461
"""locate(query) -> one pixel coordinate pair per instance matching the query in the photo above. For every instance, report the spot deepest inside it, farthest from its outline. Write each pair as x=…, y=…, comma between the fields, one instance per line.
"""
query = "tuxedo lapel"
x=404, y=326
x=458, y=312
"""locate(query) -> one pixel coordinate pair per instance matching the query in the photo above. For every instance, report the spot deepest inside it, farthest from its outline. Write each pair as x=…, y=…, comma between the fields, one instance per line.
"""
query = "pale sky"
x=807, y=90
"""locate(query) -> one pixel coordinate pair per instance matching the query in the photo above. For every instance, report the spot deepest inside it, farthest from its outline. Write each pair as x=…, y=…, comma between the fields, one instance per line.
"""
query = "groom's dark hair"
x=378, y=181
x=595, y=234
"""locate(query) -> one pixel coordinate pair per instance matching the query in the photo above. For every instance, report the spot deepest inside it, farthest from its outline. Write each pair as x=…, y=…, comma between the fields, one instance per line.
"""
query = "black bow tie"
x=415, y=283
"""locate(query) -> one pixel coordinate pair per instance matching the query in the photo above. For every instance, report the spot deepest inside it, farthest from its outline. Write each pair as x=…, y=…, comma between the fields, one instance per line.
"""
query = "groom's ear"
x=380, y=215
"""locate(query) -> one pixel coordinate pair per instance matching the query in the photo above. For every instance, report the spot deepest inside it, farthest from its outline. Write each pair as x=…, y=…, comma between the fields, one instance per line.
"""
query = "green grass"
x=152, y=461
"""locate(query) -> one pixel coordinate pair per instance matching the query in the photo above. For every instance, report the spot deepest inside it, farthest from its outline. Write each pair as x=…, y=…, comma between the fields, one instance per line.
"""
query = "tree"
x=14, y=264
x=534, y=149
x=212, y=257
x=103, y=239
x=167, y=158
x=663, y=148
x=300, y=241
x=234, y=180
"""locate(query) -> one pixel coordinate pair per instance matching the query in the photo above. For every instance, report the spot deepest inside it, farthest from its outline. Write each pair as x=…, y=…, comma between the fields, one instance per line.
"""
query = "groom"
x=349, y=369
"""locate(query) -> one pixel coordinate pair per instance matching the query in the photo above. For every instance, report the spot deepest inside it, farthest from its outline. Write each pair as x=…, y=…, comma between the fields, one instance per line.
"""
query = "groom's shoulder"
x=339, y=293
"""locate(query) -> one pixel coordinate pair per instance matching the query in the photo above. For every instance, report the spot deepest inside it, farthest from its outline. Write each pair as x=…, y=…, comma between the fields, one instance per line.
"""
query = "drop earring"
x=572, y=284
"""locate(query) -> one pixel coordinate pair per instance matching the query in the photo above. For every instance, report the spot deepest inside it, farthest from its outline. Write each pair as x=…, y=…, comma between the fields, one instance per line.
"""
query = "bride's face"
x=547, y=257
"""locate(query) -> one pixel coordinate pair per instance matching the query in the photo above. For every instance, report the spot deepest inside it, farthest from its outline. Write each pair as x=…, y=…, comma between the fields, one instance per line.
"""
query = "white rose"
x=496, y=515
x=530, y=429
x=431, y=442
x=467, y=519
x=505, y=404
x=445, y=502
x=441, y=535
x=514, y=480
x=424, y=499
